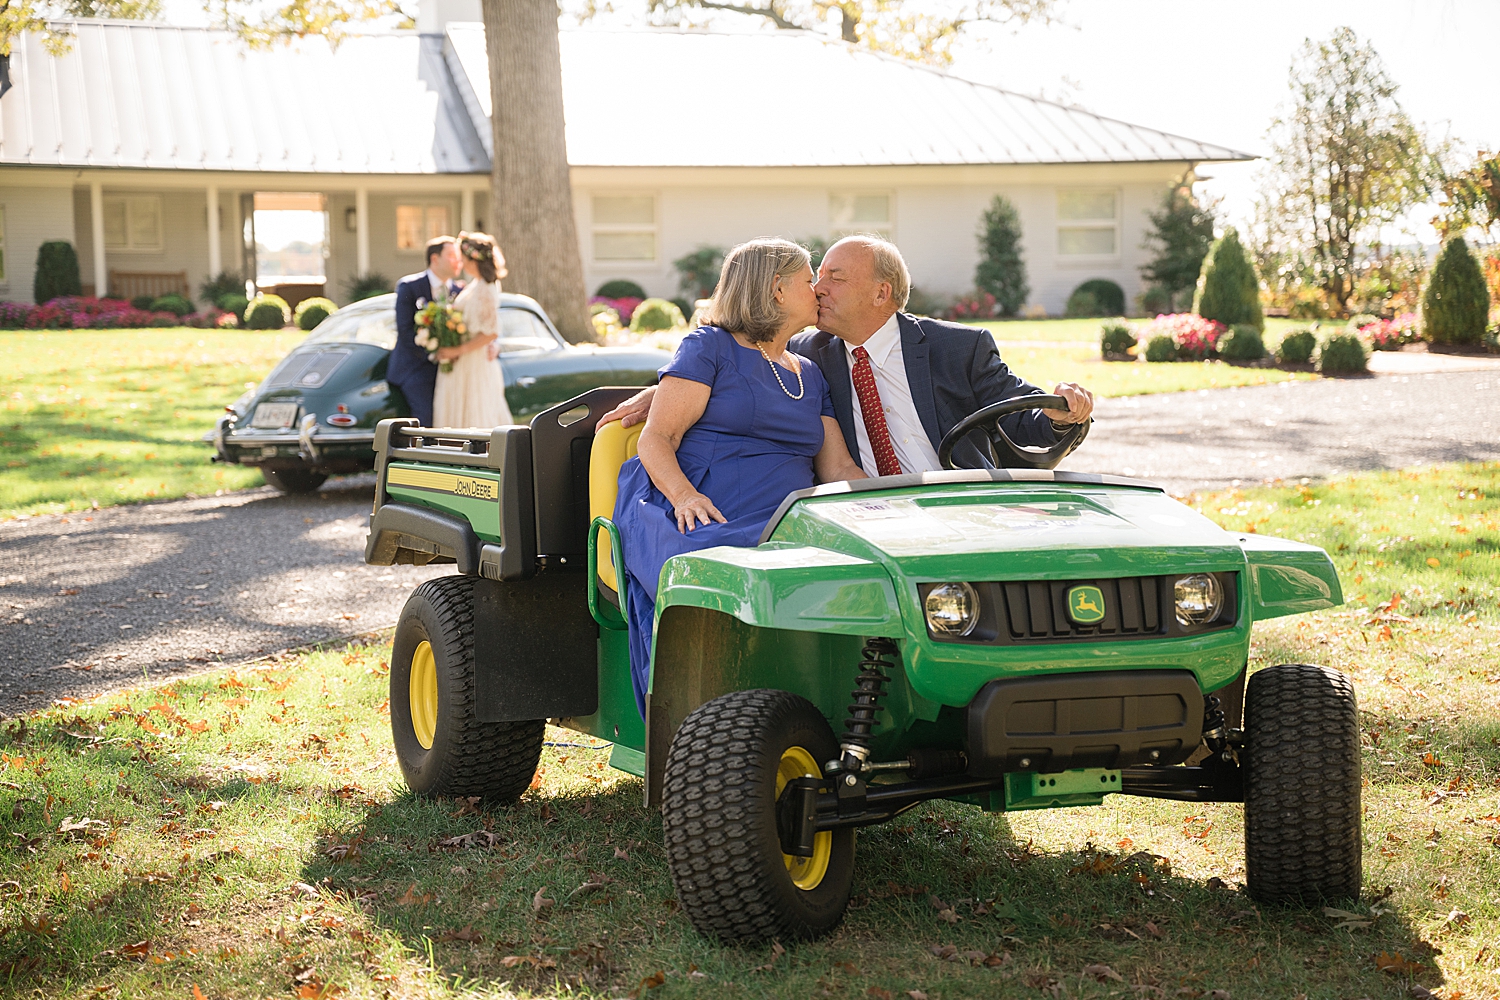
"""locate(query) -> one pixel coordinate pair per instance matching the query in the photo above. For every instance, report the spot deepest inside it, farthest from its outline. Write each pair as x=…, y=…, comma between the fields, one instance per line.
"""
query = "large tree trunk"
x=530, y=195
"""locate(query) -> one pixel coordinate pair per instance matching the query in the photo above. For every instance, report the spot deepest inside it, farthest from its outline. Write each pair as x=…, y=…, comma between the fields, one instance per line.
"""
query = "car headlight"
x=952, y=609
x=1199, y=599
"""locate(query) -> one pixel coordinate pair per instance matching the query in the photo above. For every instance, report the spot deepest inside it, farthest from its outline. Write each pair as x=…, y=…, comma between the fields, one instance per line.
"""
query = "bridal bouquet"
x=440, y=325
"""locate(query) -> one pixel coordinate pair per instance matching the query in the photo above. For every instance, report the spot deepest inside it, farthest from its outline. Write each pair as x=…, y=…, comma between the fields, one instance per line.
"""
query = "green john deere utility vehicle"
x=1012, y=638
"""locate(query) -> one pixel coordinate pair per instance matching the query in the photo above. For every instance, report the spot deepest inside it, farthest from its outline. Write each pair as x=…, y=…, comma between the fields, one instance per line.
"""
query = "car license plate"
x=274, y=415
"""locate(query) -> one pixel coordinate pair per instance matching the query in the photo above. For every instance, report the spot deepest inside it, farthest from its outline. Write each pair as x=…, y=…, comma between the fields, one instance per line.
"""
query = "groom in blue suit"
x=409, y=370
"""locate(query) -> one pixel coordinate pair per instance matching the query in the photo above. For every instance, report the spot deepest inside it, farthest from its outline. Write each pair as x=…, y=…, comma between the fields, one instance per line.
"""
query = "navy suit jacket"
x=953, y=371
x=409, y=370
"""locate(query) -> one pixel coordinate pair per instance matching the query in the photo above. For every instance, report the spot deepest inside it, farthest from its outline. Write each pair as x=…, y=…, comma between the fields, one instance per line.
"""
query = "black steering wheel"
x=1008, y=454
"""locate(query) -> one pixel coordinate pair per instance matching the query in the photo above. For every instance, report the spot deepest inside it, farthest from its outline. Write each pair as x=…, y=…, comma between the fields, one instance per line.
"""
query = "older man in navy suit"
x=899, y=382
x=409, y=370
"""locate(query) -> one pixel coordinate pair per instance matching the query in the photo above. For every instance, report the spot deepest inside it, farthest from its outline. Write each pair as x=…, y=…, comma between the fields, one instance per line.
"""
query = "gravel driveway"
x=94, y=600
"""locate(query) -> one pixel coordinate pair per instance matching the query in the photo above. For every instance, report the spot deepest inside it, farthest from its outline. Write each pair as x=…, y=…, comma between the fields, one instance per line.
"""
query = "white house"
x=149, y=146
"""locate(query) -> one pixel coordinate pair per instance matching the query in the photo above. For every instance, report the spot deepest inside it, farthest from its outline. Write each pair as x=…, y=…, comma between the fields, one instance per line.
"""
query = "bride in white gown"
x=473, y=393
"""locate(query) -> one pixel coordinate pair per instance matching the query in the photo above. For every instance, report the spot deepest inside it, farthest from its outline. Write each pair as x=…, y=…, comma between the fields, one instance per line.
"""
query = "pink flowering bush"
x=1391, y=334
x=973, y=307
x=81, y=312
x=1197, y=339
x=624, y=308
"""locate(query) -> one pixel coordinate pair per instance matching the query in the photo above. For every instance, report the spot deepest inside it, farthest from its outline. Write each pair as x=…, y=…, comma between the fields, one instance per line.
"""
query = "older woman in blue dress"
x=737, y=423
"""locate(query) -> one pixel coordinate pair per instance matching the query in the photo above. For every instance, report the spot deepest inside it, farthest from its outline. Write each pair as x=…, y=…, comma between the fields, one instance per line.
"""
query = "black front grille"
x=1039, y=609
x=1031, y=612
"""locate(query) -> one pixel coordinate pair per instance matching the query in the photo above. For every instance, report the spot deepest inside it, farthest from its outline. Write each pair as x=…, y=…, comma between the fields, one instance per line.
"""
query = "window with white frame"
x=850, y=213
x=416, y=224
x=132, y=222
x=2, y=242
x=624, y=227
x=1088, y=222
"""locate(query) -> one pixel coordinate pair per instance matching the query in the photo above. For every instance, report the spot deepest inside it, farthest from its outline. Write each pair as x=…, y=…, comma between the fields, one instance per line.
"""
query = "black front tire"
x=294, y=480
x=495, y=760
x=719, y=820
x=1302, y=786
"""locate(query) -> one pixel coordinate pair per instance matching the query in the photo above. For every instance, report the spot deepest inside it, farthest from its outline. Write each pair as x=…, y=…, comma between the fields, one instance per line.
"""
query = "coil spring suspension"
x=875, y=660
x=1217, y=735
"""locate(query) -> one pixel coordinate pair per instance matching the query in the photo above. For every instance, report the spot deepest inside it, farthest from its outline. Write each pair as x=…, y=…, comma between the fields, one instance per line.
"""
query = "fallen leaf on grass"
x=651, y=982
x=410, y=897
x=468, y=933
x=621, y=855
x=1347, y=920
x=585, y=889
x=482, y=839
x=1456, y=918
x=138, y=949
x=1397, y=964
x=197, y=993
x=776, y=952
x=1431, y=760
x=468, y=805
x=83, y=827
x=42, y=926
x=916, y=995
x=540, y=904
x=1101, y=973
x=879, y=993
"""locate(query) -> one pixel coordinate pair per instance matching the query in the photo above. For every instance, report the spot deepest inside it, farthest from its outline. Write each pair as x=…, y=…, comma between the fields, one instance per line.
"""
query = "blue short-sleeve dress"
x=753, y=445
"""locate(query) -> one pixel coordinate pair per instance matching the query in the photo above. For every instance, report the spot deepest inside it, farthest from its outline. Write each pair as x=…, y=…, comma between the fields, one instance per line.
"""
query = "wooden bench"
x=136, y=284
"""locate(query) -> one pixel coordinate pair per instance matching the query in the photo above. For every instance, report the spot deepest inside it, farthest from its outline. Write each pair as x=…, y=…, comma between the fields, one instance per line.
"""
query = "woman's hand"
x=694, y=509
x=447, y=353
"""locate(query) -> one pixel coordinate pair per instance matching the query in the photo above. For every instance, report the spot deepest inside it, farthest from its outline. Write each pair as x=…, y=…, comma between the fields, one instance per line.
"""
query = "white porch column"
x=362, y=229
x=96, y=225
x=466, y=210
x=215, y=248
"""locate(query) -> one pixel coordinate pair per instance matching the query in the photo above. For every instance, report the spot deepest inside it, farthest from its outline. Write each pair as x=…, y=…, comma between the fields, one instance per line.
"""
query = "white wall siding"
x=33, y=215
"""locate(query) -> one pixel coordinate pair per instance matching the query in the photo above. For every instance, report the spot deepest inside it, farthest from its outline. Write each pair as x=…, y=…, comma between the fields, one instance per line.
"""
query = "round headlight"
x=1199, y=599
x=952, y=609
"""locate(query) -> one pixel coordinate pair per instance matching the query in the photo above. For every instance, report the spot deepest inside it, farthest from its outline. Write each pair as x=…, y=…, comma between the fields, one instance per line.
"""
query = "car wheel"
x=1302, y=785
x=294, y=480
x=442, y=747
x=726, y=767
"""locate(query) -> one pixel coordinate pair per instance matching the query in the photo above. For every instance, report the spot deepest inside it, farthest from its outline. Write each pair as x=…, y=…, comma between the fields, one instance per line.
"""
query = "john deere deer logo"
x=1086, y=605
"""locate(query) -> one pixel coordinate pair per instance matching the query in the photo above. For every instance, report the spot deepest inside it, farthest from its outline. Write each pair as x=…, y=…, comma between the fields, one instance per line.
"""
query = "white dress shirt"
x=439, y=287
x=913, y=449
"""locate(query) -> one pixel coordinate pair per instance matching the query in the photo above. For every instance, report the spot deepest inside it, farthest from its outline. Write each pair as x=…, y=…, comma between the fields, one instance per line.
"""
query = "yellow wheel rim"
x=424, y=695
x=806, y=873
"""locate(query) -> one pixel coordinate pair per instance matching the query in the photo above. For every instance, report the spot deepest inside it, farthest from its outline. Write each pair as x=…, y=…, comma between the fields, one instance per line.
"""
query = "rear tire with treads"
x=495, y=760
x=1302, y=786
x=719, y=820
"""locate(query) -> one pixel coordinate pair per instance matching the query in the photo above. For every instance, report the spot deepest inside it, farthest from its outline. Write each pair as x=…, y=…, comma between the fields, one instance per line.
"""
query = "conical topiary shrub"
x=1455, y=303
x=1228, y=290
x=56, y=272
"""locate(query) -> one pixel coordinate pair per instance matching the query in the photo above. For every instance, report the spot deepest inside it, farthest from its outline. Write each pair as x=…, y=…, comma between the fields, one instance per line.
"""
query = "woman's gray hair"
x=744, y=301
x=888, y=265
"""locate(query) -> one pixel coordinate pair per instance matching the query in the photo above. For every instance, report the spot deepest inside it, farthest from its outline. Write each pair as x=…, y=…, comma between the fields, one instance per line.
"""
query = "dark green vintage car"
x=315, y=414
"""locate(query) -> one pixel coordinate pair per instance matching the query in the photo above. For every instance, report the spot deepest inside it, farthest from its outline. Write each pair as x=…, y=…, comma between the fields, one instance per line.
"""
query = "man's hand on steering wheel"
x=1080, y=404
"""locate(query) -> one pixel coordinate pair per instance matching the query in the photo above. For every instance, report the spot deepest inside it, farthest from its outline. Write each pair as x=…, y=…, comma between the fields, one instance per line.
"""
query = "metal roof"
x=154, y=96
x=149, y=95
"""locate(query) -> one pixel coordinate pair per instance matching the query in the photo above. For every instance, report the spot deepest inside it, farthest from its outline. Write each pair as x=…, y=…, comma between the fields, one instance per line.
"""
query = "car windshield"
x=357, y=326
x=521, y=330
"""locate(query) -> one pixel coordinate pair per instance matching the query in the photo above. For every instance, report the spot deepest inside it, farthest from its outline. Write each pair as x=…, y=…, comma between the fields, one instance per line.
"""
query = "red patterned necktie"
x=863, y=376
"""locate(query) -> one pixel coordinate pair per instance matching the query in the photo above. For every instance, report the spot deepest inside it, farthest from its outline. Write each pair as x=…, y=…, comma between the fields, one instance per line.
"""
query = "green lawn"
x=246, y=833
x=112, y=416
x=103, y=417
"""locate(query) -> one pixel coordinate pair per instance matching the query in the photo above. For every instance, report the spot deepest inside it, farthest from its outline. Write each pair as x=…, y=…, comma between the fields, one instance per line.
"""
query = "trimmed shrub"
x=919, y=303
x=142, y=302
x=267, y=312
x=311, y=312
x=367, y=286
x=56, y=272
x=224, y=283
x=683, y=306
x=620, y=288
x=1196, y=338
x=1161, y=348
x=233, y=302
x=174, y=304
x=1360, y=320
x=1096, y=297
x=1243, y=343
x=1455, y=303
x=656, y=314
x=1491, y=340
x=1343, y=354
x=1308, y=303
x=1002, y=269
x=1155, y=300
x=1228, y=290
x=698, y=273
x=1297, y=347
x=1116, y=340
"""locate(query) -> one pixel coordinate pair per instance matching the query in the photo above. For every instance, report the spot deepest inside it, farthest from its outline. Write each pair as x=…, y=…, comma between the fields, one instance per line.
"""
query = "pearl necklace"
x=801, y=389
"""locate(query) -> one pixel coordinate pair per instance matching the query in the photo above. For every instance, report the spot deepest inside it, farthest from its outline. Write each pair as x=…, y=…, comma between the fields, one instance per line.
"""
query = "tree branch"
x=776, y=16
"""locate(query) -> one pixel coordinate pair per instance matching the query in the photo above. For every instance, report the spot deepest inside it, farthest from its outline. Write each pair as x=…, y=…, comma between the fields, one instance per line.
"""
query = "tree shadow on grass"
x=574, y=891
